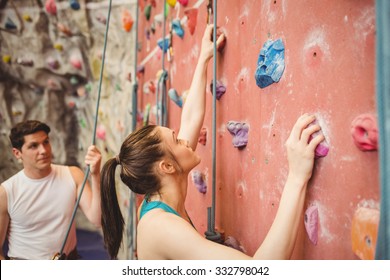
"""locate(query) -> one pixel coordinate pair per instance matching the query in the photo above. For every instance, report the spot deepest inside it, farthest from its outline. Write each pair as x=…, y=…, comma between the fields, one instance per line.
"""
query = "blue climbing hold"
x=270, y=64
x=74, y=4
x=164, y=44
x=177, y=28
x=10, y=25
x=172, y=93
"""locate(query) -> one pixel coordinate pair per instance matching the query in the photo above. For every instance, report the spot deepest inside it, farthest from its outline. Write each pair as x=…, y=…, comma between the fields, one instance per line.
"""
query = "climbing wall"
x=51, y=61
x=325, y=67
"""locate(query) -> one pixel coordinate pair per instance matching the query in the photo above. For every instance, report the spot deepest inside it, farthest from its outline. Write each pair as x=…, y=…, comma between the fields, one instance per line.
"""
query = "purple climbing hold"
x=239, y=130
x=101, y=18
x=177, y=28
x=175, y=97
x=311, y=223
x=53, y=63
x=230, y=241
x=219, y=88
x=198, y=179
x=147, y=34
x=270, y=64
x=164, y=44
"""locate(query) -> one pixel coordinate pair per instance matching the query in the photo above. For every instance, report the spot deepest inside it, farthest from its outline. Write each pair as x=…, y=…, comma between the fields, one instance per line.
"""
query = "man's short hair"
x=26, y=128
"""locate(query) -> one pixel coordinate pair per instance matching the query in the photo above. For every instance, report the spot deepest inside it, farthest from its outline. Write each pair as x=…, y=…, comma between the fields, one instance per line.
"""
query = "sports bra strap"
x=147, y=206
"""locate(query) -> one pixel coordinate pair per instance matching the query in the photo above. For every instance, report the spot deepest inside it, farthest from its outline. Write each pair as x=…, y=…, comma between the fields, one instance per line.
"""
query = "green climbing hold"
x=147, y=11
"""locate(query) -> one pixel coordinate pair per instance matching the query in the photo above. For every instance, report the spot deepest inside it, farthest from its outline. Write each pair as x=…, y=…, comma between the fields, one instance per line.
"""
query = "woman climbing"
x=156, y=162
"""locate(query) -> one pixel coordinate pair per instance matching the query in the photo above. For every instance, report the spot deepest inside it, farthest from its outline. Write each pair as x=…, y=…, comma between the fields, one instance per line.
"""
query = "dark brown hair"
x=26, y=128
x=138, y=155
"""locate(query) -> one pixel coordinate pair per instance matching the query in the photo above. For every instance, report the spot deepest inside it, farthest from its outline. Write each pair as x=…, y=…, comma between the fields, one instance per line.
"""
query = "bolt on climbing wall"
x=281, y=59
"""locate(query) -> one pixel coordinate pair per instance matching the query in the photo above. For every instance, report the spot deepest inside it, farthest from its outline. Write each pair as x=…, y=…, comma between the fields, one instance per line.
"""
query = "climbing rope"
x=61, y=255
x=135, y=86
x=211, y=233
x=383, y=105
x=131, y=233
x=161, y=101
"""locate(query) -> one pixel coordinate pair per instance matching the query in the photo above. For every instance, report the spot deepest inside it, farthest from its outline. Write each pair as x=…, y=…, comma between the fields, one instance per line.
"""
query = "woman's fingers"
x=220, y=39
x=316, y=141
x=308, y=131
x=302, y=122
x=209, y=32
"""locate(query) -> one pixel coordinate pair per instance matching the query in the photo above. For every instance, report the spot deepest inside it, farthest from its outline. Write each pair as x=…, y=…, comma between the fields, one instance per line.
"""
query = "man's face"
x=36, y=152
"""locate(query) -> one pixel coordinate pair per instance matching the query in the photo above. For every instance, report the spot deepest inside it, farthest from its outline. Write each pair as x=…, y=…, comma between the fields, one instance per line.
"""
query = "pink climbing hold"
x=101, y=132
x=239, y=130
x=51, y=7
x=53, y=84
x=76, y=63
x=365, y=132
x=198, y=180
x=151, y=87
x=183, y=2
x=203, y=136
x=311, y=223
x=322, y=149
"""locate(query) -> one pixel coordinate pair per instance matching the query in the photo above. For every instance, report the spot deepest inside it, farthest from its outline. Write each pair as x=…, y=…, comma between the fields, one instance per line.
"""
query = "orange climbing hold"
x=364, y=232
x=127, y=20
x=64, y=29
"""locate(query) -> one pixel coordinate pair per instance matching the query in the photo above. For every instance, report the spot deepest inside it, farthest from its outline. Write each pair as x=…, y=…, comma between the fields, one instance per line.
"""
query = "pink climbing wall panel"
x=329, y=71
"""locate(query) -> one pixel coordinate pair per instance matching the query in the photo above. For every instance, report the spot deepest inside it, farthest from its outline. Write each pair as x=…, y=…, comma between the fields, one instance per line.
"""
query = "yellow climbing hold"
x=58, y=47
x=27, y=17
x=171, y=3
x=159, y=73
x=6, y=58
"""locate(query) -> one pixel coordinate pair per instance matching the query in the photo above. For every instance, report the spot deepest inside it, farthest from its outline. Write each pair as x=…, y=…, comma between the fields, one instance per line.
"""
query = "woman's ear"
x=166, y=167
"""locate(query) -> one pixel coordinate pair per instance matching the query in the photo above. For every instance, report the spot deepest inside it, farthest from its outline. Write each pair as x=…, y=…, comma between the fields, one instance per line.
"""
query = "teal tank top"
x=147, y=206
